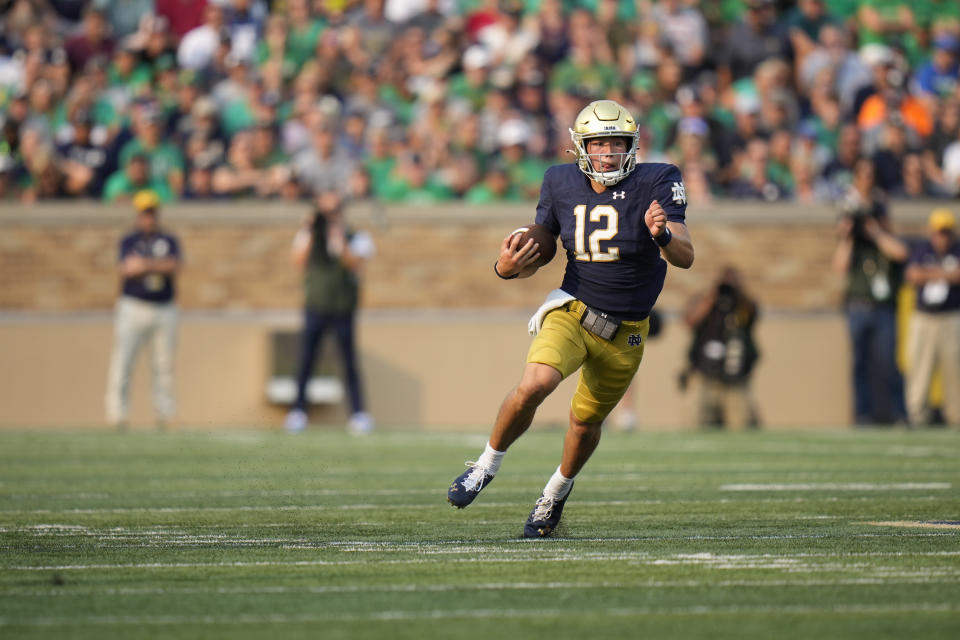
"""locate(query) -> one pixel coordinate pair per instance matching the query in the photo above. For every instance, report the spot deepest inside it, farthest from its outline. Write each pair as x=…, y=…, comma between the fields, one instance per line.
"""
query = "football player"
x=620, y=223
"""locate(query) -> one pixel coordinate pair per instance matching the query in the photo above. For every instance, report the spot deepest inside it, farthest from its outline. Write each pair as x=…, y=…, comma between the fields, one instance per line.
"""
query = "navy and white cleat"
x=468, y=485
x=545, y=516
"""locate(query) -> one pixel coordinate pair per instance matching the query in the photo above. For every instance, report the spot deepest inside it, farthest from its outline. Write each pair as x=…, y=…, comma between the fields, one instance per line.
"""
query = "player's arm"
x=302, y=243
x=843, y=253
x=355, y=252
x=134, y=265
x=678, y=249
x=167, y=265
x=889, y=244
x=700, y=307
x=517, y=261
x=920, y=274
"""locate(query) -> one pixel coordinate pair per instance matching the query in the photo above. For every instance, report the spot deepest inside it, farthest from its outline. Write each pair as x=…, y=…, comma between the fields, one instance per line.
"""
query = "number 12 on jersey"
x=608, y=232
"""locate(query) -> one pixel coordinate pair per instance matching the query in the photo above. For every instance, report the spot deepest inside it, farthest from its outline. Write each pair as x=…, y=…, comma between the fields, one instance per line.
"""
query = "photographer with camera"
x=723, y=352
x=872, y=259
x=332, y=256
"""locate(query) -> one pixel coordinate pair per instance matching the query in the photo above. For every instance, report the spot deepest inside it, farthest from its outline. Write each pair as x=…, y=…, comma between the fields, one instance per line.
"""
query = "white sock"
x=490, y=459
x=558, y=486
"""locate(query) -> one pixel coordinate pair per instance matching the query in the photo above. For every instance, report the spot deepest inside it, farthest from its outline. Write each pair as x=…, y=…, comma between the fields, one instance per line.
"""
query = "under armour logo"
x=679, y=193
x=620, y=194
x=634, y=340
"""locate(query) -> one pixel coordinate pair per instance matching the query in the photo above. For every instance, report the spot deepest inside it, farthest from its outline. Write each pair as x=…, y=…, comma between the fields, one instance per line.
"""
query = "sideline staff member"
x=934, y=338
x=149, y=261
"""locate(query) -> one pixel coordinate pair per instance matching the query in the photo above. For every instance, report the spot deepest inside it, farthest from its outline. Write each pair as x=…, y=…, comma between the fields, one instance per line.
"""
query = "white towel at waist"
x=555, y=299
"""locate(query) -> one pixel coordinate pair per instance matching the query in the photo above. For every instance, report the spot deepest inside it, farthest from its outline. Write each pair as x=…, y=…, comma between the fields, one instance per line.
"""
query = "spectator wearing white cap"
x=198, y=45
x=472, y=84
x=524, y=169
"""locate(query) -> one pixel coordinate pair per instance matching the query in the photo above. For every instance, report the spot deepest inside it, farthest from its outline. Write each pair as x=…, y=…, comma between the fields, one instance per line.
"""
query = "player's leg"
x=313, y=328
x=128, y=331
x=709, y=402
x=950, y=366
x=625, y=415
x=737, y=406
x=163, y=345
x=555, y=353
x=604, y=378
x=519, y=407
x=858, y=324
x=921, y=361
x=514, y=418
x=889, y=401
x=360, y=420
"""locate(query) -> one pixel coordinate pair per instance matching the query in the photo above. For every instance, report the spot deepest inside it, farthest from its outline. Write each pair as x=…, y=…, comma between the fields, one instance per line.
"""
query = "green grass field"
x=237, y=534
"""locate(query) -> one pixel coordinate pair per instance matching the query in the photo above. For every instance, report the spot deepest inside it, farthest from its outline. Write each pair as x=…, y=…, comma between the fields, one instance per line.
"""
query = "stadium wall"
x=432, y=312
x=430, y=370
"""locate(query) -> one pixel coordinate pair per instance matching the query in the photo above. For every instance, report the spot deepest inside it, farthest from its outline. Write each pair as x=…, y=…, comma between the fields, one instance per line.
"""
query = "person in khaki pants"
x=934, y=338
x=149, y=259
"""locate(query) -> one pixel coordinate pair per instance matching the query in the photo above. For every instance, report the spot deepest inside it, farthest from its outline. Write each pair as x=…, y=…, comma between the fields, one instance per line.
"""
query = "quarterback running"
x=620, y=223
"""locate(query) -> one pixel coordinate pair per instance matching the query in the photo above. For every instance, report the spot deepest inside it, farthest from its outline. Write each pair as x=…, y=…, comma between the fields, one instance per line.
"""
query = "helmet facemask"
x=605, y=119
x=628, y=159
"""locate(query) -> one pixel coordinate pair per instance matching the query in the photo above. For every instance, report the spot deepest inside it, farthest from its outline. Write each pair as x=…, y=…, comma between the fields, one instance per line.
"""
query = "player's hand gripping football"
x=516, y=259
x=655, y=218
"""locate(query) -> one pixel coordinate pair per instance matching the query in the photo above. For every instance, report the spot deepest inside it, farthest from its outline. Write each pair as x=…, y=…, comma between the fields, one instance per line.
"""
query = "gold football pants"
x=606, y=366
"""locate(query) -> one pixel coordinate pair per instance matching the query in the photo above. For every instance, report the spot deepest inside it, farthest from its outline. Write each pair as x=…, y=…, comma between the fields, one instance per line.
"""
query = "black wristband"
x=516, y=275
x=664, y=238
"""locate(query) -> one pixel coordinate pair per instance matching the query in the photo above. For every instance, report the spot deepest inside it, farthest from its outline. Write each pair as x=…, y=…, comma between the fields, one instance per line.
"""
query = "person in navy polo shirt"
x=934, y=338
x=145, y=312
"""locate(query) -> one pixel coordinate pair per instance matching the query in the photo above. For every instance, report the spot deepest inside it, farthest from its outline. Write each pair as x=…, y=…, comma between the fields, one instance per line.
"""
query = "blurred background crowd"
x=420, y=101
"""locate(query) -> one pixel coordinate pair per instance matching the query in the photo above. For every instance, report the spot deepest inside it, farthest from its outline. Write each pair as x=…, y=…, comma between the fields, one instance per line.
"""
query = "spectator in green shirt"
x=122, y=185
x=473, y=83
x=525, y=171
x=495, y=187
x=410, y=182
x=127, y=72
x=165, y=158
x=303, y=34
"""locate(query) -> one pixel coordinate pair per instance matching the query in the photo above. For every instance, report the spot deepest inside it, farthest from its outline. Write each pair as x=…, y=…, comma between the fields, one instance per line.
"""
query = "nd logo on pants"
x=606, y=366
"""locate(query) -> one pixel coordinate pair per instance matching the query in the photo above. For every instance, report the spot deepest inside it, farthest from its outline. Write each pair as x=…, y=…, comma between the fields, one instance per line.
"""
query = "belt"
x=597, y=322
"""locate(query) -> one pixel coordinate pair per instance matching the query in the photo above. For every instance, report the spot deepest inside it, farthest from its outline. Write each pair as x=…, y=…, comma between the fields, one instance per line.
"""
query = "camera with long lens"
x=727, y=295
x=852, y=208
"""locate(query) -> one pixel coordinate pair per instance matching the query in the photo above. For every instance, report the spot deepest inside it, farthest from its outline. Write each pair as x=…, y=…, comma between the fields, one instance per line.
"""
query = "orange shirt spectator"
x=875, y=111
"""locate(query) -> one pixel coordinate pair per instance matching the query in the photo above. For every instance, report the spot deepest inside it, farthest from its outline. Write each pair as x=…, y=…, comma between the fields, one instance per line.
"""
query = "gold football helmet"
x=603, y=119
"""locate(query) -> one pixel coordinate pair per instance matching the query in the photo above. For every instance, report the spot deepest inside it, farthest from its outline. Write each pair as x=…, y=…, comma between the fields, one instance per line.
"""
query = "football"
x=542, y=236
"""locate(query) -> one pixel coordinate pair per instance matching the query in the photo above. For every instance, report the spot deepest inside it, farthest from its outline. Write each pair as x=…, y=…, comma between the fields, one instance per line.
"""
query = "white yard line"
x=839, y=486
x=441, y=614
x=133, y=541
x=539, y=554
x=439, y=504
x=920, y=524
x=59, y=592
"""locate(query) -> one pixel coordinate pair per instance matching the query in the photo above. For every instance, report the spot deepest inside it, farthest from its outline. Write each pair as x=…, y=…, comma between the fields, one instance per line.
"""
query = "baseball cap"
x=941, y=220
x=476, y=56
x=146, y=200
x=946, y=41
x=513, y=132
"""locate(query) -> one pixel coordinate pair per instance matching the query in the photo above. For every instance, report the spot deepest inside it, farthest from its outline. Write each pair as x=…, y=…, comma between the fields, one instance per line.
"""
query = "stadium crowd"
x=420, y=101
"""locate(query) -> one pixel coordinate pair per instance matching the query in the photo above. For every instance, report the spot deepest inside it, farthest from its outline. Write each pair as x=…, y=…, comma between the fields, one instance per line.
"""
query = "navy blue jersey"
x=613, y=264
x=939, y=295
x=151, y=287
